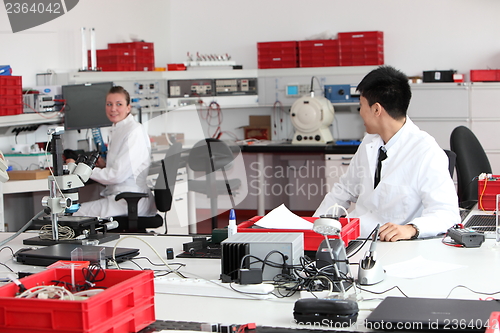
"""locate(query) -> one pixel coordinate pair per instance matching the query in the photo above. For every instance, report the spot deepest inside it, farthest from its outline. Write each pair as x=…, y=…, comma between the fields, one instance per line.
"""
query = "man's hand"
x=391, y=232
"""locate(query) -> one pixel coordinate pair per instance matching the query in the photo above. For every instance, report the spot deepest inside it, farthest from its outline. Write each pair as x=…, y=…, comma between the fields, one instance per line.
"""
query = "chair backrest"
x=210, y=155
x=452, y=159
x=165, y=184
x=471, y=162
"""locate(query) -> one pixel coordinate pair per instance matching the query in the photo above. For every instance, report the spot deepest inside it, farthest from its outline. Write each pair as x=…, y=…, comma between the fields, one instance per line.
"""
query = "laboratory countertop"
x=287, y=147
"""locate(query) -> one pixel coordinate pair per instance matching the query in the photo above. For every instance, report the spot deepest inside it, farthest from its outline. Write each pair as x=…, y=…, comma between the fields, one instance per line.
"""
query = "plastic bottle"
x=232, y=228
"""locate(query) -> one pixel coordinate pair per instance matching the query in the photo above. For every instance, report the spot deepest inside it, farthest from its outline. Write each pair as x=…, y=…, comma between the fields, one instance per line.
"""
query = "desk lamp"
x=329, y=225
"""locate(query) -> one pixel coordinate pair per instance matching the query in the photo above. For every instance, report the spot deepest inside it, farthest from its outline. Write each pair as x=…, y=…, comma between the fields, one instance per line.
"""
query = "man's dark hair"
x=389, y=87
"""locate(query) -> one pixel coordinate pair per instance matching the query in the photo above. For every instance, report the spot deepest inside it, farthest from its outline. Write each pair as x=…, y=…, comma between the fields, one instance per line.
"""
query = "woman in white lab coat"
x=127, y=163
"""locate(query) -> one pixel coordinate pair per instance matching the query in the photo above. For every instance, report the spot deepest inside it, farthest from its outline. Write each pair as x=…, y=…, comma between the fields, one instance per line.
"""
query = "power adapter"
x=250, y=276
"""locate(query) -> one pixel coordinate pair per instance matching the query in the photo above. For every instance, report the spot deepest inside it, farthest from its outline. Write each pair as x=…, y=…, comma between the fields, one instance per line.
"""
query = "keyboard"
x=483, y=223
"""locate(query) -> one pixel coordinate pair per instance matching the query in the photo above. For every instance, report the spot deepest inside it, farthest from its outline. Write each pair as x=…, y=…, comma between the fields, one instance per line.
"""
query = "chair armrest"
x=132, y=199
x=130, y=195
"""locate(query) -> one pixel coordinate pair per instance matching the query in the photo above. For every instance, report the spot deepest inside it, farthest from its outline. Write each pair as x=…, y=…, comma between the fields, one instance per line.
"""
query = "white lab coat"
x=415, y=185
x=127, y=166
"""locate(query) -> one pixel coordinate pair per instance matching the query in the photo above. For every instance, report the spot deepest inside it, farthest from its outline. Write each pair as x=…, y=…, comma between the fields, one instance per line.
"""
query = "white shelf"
x=31, y=119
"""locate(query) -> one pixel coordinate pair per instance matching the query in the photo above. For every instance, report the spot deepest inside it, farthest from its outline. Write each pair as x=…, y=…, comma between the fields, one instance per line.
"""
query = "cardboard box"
x=28, y=174
x=259, y=128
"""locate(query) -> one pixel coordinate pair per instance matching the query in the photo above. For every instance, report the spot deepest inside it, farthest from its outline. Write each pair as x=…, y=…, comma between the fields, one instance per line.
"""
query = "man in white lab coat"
x=414, y=195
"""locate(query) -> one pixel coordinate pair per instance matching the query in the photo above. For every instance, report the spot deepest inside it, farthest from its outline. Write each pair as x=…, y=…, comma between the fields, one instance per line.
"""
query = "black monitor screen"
x=86, y=105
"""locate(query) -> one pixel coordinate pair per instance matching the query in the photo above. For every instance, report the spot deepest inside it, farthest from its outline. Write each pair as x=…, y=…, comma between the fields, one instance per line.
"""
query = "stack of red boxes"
x=319, y=53
x=362, y=48
x=277, y=54
x=134, y=56
x=11, y=95
x=144, y=54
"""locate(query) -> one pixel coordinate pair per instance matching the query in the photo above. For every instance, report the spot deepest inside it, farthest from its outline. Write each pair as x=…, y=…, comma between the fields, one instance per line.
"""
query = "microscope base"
x=46, y=242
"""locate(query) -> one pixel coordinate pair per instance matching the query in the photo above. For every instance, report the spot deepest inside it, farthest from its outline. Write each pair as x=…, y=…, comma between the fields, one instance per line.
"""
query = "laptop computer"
x=48, y=255
x=412, y=313
x=484, y=222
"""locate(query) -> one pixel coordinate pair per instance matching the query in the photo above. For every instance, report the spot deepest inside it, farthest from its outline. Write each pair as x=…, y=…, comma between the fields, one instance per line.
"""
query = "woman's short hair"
x=120, y=90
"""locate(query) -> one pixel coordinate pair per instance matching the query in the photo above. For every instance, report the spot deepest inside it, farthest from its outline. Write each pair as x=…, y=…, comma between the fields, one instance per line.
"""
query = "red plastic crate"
x=145, y=67
x=11, y=110
x=132, y=45
x=319, y=53
x=9, y=100
x=484, y=75
x=493, y=324
x=277, y=54
x=350, y=231
x=176, y=67
x=487, y=191
x=117, y=67
x=127, y=305
x=361, y=48
x=9, y=80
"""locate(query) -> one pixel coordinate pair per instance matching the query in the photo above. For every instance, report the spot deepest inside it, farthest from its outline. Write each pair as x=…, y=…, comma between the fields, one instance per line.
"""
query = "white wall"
x=418, y=34
x=56, y=45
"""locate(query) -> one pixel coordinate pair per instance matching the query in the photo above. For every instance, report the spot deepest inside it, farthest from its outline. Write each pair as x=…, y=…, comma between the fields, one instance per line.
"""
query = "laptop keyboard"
x=482, y=223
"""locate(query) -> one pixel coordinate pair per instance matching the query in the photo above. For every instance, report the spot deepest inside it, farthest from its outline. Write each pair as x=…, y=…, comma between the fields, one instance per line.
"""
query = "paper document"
x=282, y=218
x=419, y=267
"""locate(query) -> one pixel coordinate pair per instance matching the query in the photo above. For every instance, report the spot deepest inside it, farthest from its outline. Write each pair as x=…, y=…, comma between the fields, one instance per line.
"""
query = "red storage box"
x=9, y=80
x=132, y=45
x=350, y=231
x=484, y=75
x=487, y=191
x=176, y=67
x=8, y=100
x=277, y=54
x=117, y=67
x=127, y=305
x=11, y=110
x=144, y=67
x=493, y=324
x=361, y=48
x=319, y=53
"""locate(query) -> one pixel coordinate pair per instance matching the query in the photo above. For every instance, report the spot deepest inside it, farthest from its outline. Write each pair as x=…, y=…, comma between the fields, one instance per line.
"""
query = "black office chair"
x=163, y=192
x=208, y=156
x=452, y=159
x=471, y=162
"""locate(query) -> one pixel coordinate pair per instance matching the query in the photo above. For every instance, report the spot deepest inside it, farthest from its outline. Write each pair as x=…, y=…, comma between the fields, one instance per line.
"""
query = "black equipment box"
x=439, y=76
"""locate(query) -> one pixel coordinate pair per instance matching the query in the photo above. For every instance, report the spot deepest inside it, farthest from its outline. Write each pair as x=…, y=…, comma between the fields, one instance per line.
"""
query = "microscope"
x=63, y=200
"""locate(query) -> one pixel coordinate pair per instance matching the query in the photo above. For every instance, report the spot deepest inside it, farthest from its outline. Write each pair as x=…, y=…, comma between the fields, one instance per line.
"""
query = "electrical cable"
x=64, y=232
x=151, y=247
x=382, y=292
x=23, y=228
x=475, y=292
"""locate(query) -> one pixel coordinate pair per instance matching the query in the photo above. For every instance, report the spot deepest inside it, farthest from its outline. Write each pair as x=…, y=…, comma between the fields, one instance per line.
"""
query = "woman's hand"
x=101, y=162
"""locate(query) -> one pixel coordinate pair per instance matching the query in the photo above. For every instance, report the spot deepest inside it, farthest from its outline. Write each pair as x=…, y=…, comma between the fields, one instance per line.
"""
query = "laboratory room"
x=249, y=166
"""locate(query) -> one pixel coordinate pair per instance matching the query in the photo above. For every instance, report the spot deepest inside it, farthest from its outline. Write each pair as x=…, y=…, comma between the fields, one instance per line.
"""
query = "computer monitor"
x=86, y=105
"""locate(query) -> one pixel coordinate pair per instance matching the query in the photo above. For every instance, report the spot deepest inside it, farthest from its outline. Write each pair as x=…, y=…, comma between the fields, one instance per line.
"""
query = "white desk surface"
x=480, y=267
